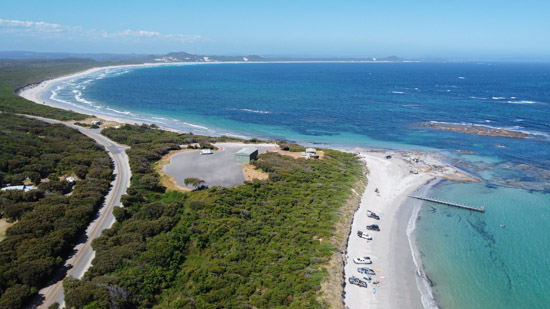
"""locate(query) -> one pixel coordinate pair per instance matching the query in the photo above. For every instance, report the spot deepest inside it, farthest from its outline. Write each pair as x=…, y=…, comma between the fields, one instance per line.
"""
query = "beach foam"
x=371, y=105
x=521, y=102
x=422, y=280
x=252, y=111
x=393, y=249
x=78, y=97
x=119, y=112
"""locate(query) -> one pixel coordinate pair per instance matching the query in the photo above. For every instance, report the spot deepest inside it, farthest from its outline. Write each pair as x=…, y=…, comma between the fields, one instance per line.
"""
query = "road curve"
x=79, y=263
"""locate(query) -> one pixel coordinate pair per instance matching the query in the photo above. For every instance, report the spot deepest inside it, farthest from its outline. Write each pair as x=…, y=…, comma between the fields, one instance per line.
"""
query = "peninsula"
x=149, y=144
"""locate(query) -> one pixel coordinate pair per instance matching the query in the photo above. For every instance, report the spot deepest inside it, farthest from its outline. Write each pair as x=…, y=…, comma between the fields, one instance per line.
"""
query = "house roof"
x=24, y=188
x=246, y=151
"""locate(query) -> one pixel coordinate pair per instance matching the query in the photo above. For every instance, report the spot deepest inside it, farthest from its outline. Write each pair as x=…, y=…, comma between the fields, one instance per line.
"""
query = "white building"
x=23, y=188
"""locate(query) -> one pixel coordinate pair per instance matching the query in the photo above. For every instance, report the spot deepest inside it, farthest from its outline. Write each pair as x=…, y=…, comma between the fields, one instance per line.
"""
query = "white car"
x=362, y=260
x=364, y=235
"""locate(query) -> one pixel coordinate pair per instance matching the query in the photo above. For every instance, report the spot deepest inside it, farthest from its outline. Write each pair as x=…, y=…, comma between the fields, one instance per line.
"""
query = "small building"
x=24, y=188
x=311, y=151
x=246, y=155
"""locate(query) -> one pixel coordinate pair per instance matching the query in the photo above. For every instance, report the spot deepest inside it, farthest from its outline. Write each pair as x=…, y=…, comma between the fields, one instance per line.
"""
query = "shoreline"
x=35, y=92
x=393, y=250
x=390, y=249
x=423, y=283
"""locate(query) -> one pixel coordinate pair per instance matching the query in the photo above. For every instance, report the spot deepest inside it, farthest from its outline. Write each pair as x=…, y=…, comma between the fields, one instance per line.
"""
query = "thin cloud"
x=49, y=30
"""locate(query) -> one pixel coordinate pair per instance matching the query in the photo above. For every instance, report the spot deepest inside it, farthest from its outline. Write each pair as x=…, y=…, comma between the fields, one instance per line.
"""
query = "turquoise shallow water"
x=472, y=262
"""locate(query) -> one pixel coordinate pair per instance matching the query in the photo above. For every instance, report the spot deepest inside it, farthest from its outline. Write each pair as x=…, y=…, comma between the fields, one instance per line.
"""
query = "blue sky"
x=454, y=29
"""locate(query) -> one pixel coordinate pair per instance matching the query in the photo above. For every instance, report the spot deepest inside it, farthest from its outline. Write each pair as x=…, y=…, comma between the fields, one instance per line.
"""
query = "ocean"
x=493, y=260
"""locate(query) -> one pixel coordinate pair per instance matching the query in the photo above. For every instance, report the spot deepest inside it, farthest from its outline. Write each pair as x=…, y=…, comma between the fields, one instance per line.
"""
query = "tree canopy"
x=195, y=182
x=50, y=218
x=254, y=245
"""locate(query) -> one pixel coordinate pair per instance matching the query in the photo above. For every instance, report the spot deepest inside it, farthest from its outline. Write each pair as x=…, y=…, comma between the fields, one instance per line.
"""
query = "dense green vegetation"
x=260, y=245
x=17, y=73
x=51, y=218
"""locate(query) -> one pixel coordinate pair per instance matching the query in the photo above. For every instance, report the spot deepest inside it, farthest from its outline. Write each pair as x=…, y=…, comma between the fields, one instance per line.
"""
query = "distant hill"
x=21, y=55
x=186, y=57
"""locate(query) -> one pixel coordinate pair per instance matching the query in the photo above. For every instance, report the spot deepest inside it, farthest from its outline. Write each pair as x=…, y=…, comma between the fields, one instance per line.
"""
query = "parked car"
x=357, y=281
x=362, y=260
x=206, y=151
x=371, y=214
x=366, y=270
x=373, y=227
x=364, y=235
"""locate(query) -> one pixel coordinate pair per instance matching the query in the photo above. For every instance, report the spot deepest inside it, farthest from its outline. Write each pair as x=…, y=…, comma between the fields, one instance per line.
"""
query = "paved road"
x=79, y=263
x=216, y=169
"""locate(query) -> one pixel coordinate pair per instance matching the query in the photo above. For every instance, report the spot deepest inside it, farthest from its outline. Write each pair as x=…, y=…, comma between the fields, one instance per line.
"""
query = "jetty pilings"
x=458, y=205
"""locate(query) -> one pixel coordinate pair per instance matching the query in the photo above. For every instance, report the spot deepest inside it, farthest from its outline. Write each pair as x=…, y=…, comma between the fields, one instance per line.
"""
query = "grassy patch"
x=251, y=173
x=4, y=225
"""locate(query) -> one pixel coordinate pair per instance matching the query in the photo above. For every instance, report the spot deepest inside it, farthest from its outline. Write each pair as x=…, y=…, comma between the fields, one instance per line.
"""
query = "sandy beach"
x=390, y=248
x=35, y=93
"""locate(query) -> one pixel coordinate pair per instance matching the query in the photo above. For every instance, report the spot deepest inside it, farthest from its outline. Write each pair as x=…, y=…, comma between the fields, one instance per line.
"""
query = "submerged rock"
x=473, y=129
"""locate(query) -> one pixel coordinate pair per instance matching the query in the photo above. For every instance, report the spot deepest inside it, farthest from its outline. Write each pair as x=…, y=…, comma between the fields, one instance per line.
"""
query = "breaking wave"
x=78, y=97
x=522, y=102
x=253, y=111
x=119, y=112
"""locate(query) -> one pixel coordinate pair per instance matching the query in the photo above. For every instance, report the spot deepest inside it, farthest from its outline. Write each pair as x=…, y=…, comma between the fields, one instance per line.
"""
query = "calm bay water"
x=473, y=262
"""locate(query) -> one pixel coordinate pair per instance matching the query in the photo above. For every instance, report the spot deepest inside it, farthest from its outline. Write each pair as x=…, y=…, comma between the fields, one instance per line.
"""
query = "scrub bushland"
x=50, y=218
x=263, y=244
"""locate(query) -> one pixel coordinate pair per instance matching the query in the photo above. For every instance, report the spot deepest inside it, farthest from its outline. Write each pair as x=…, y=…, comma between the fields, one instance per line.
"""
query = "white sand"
x=389, y=250
x=35, y=93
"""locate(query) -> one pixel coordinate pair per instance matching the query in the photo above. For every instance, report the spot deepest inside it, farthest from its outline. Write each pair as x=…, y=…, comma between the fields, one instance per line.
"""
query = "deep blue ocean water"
x=473, y=262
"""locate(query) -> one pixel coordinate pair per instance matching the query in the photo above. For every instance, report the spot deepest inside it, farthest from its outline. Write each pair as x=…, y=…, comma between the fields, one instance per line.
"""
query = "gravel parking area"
x=216, y=169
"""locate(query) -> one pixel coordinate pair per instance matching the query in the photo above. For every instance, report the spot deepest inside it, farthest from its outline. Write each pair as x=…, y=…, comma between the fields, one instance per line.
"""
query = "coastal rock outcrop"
x=470, y=128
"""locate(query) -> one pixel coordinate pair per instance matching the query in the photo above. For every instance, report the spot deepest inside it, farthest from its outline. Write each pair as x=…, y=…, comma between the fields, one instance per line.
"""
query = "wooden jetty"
x=429, y=199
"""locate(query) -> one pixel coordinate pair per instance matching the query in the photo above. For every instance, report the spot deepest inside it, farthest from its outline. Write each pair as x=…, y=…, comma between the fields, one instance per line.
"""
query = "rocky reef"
x=469, y=128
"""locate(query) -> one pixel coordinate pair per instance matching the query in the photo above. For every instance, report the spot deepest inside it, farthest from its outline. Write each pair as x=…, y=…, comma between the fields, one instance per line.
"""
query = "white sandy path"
x=394, y=181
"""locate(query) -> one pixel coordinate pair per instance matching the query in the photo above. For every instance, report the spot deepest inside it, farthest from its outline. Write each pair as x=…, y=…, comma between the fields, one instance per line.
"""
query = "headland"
x=390, y=180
